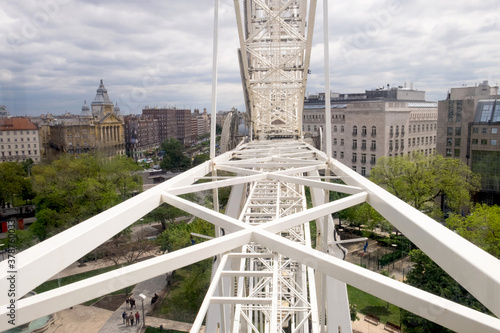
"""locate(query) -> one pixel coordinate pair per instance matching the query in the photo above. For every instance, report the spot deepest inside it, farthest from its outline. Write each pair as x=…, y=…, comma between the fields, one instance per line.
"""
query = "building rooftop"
x=16, y=124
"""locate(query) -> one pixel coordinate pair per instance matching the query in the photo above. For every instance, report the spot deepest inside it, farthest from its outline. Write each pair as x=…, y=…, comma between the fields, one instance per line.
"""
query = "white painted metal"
x=265, y=268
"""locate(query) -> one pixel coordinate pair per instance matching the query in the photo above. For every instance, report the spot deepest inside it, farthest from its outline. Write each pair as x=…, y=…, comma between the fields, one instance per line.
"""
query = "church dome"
x=117, y=109
x=86, y=109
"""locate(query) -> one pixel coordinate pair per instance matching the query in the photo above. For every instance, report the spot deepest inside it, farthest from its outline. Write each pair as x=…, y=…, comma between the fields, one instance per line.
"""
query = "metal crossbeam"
x=266, y=275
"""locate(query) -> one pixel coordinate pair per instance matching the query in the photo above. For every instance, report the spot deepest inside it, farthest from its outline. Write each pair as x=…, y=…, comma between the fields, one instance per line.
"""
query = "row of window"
x=373, y=144
x=16, y=146
x=363, y=130
x=484, y=142
x=484, y=130
x=15, y=139
x=17, y=153
x=373, y=158
x=17, y=132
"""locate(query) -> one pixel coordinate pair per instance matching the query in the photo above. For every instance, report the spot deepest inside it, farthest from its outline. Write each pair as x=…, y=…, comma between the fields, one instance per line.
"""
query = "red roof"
x=16, y=124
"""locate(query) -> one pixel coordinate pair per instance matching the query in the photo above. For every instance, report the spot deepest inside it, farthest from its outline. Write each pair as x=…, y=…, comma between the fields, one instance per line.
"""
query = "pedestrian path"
x=148, y=288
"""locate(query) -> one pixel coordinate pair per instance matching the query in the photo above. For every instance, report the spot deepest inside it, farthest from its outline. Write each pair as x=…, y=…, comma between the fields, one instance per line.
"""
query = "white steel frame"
x=266, y=275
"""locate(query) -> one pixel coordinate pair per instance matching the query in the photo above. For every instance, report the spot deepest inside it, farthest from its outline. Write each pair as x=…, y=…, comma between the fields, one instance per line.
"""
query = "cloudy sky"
x=54, y=52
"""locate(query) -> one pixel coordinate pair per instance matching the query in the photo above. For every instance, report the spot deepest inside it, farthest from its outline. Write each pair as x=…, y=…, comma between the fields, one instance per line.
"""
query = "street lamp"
x=394, y=246
x=143, y=317
x=142, y=228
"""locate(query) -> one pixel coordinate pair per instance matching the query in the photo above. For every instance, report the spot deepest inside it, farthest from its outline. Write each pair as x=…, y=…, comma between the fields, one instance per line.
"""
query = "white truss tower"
x=267, y=277
x=273, y=58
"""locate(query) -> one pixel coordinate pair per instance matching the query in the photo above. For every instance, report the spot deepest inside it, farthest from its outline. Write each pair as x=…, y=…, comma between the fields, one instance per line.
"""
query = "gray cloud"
x=54, y=52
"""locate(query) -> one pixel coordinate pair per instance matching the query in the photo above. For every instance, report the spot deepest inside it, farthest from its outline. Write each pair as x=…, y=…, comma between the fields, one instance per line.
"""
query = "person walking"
x=131, y=318
x=124, y=314
x=137, y=317
x=127, y=320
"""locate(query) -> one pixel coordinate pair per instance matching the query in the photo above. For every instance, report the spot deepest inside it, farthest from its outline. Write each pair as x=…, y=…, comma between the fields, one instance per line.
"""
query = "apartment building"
x=469, y=129
x=19, y=140
x=385, y=122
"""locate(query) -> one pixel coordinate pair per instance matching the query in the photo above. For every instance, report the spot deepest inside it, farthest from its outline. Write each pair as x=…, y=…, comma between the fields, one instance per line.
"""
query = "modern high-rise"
x=468, y=129
x=383, y=122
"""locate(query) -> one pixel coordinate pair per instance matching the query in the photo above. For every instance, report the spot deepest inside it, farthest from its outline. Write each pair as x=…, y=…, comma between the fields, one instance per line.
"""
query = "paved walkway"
x=147, y=288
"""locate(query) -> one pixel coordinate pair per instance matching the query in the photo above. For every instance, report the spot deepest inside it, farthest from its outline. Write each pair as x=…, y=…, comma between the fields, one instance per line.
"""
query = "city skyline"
x=161, y=53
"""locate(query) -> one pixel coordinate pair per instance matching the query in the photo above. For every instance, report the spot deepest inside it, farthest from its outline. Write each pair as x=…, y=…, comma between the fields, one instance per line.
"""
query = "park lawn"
x=174, y=306
x=52, y=284
x=368, y=304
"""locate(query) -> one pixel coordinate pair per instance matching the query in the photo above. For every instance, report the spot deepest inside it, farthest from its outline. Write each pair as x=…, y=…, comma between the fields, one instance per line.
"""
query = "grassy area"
x=368, y=304
x=49, y=285
x=186, y=293
x=157, y=330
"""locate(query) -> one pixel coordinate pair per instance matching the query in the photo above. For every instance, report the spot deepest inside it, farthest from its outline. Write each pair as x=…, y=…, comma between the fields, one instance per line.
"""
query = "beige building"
x=469, y=129
x=365, y=129
x=99, y=127
x=19, y=140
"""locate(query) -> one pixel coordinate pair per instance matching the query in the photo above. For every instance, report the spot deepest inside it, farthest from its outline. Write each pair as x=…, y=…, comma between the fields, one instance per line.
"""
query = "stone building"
x=368, y=126
x=19, y=140
x=99, y=127
x=469, y=129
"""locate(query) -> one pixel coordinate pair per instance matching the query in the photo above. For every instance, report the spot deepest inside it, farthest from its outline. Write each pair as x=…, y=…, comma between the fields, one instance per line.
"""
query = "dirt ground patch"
x=110, y=302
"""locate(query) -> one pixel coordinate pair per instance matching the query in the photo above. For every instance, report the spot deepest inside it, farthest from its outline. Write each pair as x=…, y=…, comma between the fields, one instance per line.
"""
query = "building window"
x=341, y=129
x=458, y=130
x=374, y=130
x=334, y=154
x=451, y=110
x=390, y=145
x=335, y=141
x=363, y=171
x=475, y=130
x=449, y=130
x=341, y=142
x=457, y=152
x=474, y=141
x=363, y=158
x=448, y=152
x=373, y=145
x=486, y=112
x=493, y=142
x=341, y=154
x=353, y=168
x=403, y=130
x=418, y=128
x=391, y=131
x=355, y=130
x=457, y=142
x=373, y=159
x=363, y=144
x=354, y=144
x=363, y=131
x=494, y=130
x=484, y=130
x=397, y=130
x=484, y=142
x=354, y=157
x=449, y=142
x=335, y=128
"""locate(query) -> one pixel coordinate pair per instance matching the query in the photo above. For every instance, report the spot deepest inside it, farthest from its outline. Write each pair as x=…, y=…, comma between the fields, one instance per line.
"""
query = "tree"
x=419, y=180
x=428, y=276
x=166, y=213
x=481, y=227
x=174, y=158
x=12, y=182
x=198, y=159
x=70, y=190
x=364, y=214
x=124, y=249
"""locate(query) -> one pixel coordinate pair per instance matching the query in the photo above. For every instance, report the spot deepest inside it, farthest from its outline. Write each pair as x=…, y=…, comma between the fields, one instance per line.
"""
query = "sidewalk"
x=147, y=288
